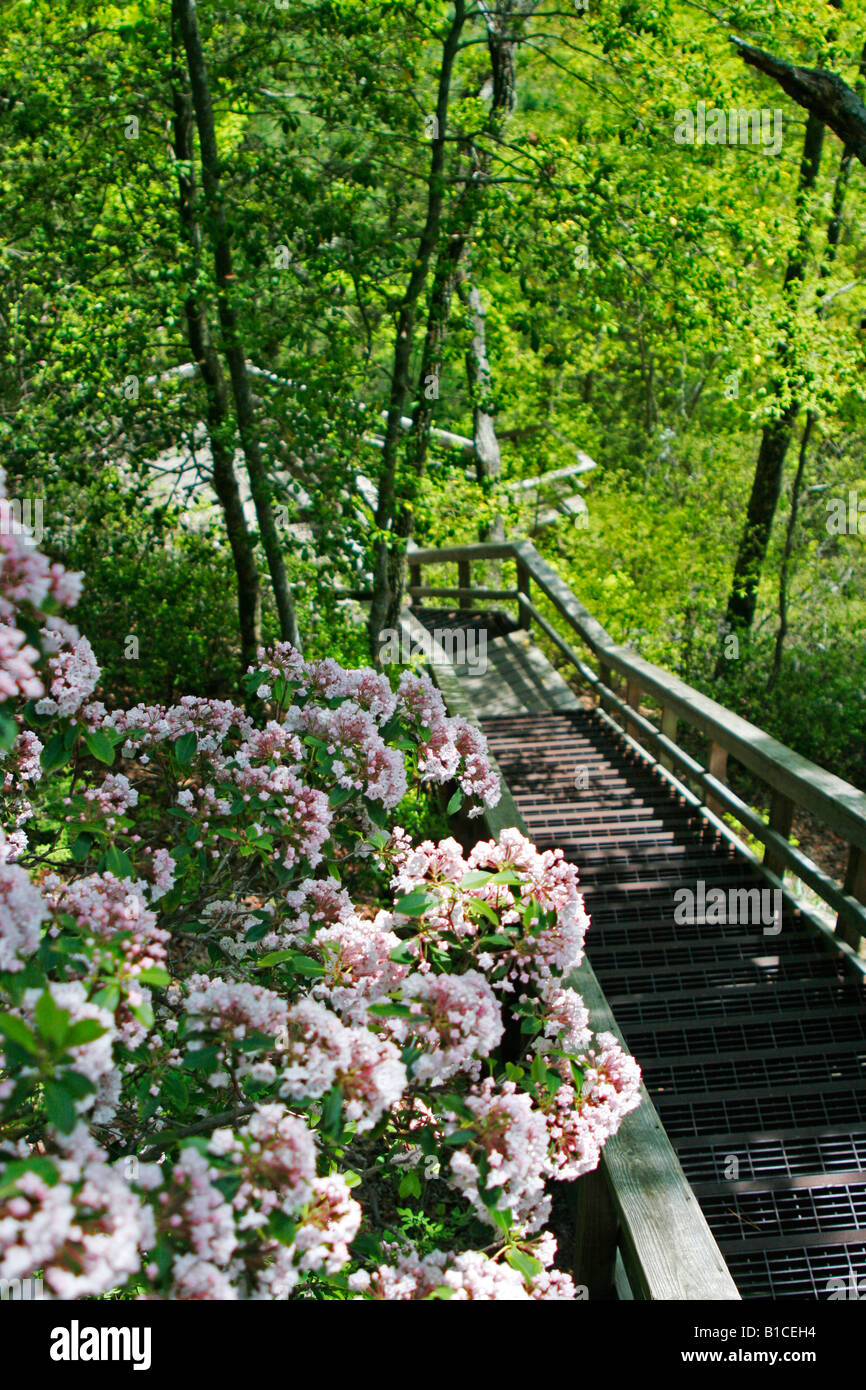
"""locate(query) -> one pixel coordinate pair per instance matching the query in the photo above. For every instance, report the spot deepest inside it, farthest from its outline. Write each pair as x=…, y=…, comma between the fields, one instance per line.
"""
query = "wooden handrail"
x=793, y=780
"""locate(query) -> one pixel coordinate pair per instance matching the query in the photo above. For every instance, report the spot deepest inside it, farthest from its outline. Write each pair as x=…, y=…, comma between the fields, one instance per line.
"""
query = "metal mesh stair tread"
x=753, y=1044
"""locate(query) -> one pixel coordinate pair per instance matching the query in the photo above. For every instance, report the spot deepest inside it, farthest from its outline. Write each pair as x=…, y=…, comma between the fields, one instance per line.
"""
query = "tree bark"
x=488, y=458
x=394, y=528
x=784, y=568
x=231, y=338
x=822, y=93
x=834, y=232
x=776, y=435
x=217, y=412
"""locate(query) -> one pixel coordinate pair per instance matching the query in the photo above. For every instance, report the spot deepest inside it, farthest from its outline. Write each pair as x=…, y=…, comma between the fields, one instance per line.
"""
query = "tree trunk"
x=216, y=397
x=822, y=93
x=389, y=553
x=776, y=435
x=784, y=568
x=488, y=458
x=834, y=232
x=231, y=338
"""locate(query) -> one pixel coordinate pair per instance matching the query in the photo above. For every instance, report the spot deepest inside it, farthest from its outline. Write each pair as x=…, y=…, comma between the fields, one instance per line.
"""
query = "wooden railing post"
x=855, y=884
x=415, y=582
x=669, y=727
x=523, y=581
x=632, y=698
x=605, y=675
x=596, y=1231
x=781, y=820
x=717, y=767
x=464, y=581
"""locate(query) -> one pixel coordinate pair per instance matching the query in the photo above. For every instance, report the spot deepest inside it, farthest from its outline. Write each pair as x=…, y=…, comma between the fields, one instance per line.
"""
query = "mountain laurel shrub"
x=237, y=1002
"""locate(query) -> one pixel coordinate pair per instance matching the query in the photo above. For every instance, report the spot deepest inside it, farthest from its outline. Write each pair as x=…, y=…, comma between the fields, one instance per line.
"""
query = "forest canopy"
x=286, y=285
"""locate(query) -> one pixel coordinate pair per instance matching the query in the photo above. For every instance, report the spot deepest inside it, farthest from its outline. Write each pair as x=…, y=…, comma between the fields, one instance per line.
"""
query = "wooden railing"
x=621, y=678
x=639, y=1231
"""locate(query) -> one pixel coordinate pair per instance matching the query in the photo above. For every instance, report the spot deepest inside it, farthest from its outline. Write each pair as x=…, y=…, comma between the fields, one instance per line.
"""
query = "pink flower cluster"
x=512, y=1136
x=362, y=760
x=22, y=912
x=358, y=968
x=84, y=1234
x=322, y=1052
x=466, y=1277
x=27, y=579
x=74, y=677
x=454, y=1019
x=450, y=748
x=581, y=1122
x=23, y=763
x=275, y=1154
x=114, y=910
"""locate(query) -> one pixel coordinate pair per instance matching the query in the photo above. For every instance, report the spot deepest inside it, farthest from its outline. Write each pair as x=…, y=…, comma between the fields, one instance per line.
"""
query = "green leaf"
x=229, y=1185
x=8, y=732
x=475, y=878
x=59, y=1107
x=489, y=1195
x=332, y=1106
x=390, y=1010
x=54, y=754
x=155, y=975
x=506, y=876
x=42, y=1167
x=108, y=997
x=17, y=1031
x=273, y=958
x=410, y=1185
x=526, y=1265
x=100, y=746
x=202, y=1059
x=378, y=815
x=184, y=748
x=84, y=1031
x=52, y=1022
x=339, y=795
x=415, y=904
x=477, y=907
x=455, y=803
x=81, y=847
x=281, y=1227
x=144, y=1013
x=119, y=863
x=77, y=1085
x=498, y=939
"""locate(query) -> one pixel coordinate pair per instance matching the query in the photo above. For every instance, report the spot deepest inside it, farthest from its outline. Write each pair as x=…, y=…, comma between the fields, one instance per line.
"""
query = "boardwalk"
x=751, y=1035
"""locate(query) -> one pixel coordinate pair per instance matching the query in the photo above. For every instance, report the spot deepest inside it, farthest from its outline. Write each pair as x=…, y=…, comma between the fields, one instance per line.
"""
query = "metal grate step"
x=753, y=1043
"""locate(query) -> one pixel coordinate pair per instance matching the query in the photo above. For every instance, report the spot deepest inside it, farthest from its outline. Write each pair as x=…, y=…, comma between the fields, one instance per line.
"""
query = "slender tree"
x=231, y=337
x=393, y=518
x=217, y=408
x=776, y=434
